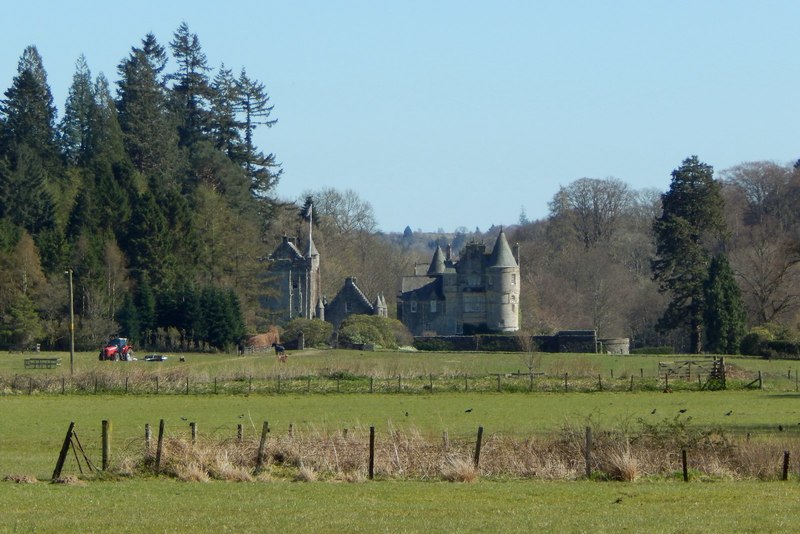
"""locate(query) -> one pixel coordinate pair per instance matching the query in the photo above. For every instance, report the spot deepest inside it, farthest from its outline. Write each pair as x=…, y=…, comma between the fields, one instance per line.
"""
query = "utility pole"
x=71, y=326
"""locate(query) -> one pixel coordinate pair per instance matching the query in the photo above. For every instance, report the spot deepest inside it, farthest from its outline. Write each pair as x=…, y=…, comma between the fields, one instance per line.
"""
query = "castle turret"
x=503, y=292
x=437, y=263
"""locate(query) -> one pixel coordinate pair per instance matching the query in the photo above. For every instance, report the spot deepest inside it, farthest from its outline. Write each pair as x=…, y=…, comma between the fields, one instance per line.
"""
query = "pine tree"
x=75, y=129
x=28, y=114
x=724, y=312
x=225, y=126
x=148, y=132
x=691, y=221
x=263, y=170
x=192, y=89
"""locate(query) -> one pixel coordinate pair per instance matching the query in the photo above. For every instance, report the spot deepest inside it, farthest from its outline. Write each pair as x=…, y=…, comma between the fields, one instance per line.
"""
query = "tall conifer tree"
x=690, y=224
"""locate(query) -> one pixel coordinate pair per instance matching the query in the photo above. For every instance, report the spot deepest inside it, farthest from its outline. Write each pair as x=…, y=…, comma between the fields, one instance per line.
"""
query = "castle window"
x=433, y=306
x=513, y=299
x=513, y=279
x=413, y=306
x=348, y=307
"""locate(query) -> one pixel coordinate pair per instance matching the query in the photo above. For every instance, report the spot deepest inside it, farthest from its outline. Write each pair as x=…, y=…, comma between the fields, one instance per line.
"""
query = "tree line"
x=153, y=193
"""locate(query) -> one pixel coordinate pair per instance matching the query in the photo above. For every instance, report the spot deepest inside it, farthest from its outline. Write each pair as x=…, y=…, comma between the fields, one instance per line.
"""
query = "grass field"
x=507, y=506
x=32, y=428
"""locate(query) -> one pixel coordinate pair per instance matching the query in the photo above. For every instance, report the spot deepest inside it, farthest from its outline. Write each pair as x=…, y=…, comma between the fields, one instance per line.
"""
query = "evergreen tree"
x=263, y=170
x=724, y=312
x=147, y=128
x=690, y=222
x=28, y=114
x=75, y=130
x=24, y=197
x=192, y=89
x=225, y=126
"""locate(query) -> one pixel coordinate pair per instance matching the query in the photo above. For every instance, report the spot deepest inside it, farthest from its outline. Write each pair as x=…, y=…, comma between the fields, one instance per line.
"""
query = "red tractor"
x=117, y=349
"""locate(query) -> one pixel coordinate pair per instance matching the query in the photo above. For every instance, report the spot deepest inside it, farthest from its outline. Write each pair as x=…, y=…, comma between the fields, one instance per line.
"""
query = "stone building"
x=478, y=292
x=350, y=300
x=294, y=281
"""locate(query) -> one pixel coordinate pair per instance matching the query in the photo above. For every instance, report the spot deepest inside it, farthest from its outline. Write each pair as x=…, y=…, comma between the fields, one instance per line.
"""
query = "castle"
x=477, y=293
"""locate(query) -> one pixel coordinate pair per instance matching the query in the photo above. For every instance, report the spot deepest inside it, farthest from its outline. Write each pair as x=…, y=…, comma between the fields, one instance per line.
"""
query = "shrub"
x=315, y=332
x=382, y=331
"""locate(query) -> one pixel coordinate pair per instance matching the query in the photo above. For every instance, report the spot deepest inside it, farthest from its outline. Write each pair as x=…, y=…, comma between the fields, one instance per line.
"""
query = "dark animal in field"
x=653, y=412
x=682, y=410
x=468, y=410
x=730, y=412
x=280, y=352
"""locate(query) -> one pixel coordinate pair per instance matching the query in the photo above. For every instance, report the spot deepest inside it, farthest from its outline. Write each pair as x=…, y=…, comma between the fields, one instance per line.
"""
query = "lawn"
x=391, y=506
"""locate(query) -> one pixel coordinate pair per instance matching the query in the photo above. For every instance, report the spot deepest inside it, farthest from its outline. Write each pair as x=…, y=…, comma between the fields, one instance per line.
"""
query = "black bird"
x=653, y=412
x=406, y=414
x=682, y=410
x=468, y=410
x=241, y=416
x=619, y=500
x=730, y=412
x=780, y=428
x=183, y=419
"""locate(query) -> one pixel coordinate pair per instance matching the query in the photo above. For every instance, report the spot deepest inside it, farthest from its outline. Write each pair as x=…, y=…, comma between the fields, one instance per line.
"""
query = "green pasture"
x=33, y=427
x=779, y=374
x=391, y=506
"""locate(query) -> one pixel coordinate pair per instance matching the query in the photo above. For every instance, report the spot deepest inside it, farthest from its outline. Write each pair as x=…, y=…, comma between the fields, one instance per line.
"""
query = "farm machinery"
x=117, y=349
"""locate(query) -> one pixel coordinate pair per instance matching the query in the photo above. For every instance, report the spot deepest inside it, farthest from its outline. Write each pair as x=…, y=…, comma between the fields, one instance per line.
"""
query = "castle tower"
x=502, y=295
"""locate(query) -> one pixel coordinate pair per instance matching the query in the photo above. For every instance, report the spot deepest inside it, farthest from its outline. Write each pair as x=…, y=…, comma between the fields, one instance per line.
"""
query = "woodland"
x=151, y=197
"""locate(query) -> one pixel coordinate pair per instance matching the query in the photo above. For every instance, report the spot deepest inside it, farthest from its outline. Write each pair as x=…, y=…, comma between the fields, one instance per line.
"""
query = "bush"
x=315, y=332
x=381, y=331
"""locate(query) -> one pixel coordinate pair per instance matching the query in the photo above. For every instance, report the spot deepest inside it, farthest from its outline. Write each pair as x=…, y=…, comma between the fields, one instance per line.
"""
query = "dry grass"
x=21, y=479
x=459, y=470
x=646, y=450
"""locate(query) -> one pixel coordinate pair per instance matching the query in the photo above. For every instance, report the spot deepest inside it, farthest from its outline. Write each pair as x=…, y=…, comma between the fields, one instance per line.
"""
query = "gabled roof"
x=351, y=290
x=287, y=250
x=501, y=254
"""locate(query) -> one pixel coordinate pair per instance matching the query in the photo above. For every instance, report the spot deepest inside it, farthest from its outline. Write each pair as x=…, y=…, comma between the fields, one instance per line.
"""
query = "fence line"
x=186, y=384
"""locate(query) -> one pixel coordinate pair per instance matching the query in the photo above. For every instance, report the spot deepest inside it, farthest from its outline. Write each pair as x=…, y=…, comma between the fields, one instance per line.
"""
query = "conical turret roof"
x=501, y=254
x=437, y=263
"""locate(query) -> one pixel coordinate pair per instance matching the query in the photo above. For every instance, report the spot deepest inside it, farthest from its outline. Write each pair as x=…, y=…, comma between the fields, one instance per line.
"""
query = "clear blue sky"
x=456, y=113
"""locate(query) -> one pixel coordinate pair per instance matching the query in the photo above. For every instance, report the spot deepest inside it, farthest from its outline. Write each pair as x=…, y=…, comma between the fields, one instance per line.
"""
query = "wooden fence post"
x=371, y=452
x=631, y=383
x=215, y=385
x=62, y=456
x=785, y=474
x=760, y=383
x=187, y=385
x=261, y=446
x=599, y=382
x=148, y=436
x=477, y=456
x=498, y=382
x=250, y=385
x=588, y=452
x=160, y=445
x=685, y=462
x=63, y=385
x=106, y=428
x=126, y=385
x=566, y=381
x=156, y=385
x=239, y=432
x=30, y=385
x=193, y=427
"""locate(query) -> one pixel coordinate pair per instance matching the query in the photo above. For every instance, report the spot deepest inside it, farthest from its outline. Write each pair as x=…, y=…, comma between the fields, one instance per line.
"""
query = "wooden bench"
x=42, y=363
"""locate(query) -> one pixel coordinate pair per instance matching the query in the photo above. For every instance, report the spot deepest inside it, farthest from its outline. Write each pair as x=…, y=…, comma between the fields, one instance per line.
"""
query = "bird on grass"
x=730, y=412
x=183, y=419
x=780, y=428
x=682, y=410
x=653, y=412
x=241, y=415
x=468, y=410
x=406, y=414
